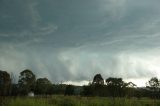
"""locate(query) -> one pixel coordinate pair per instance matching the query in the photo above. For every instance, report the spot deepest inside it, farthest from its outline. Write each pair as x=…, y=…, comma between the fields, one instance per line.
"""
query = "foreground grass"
x=80, y=101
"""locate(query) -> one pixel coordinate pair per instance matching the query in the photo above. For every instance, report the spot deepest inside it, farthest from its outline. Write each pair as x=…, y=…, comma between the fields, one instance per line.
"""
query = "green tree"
x=88, y=90
x=96, y=88
x=5, y=83
x=154, y=84
x=115, y=81
x=58, y=89
x=69, y=90
x=26, y=82
x=98, y=80
x=130, y=89
x=115, y=86
x=130, y=85
x=43, y=85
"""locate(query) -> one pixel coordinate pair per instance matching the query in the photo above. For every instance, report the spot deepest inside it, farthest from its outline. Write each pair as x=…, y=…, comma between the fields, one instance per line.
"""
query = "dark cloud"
x=73, y=40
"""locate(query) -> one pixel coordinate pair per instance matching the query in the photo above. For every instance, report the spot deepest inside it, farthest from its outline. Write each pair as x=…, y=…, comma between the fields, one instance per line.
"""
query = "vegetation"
x=81, y=101
x=26, y=82
x=100, y=92
x=98, y=80
x=5, y=83
x=43, y=86
x=69, y=90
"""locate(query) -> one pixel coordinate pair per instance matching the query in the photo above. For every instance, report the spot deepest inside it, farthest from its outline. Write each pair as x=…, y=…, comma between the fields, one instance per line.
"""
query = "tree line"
x=110, y=87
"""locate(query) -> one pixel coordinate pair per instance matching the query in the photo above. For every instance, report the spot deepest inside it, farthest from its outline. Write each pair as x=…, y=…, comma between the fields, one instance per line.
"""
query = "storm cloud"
x=72, y=40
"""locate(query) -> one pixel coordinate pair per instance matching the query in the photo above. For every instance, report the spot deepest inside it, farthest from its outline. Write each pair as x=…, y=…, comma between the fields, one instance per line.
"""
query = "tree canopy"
x=26, y=81
x=42, y=86
x=98, y=80
x=5, y=83
x=154, y=83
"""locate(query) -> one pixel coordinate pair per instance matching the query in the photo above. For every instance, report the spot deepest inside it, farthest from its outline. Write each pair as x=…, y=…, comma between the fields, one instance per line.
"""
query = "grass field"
x=78, y=101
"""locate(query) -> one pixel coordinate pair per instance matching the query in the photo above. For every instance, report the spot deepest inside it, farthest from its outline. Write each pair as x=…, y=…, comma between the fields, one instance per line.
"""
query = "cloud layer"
x=74, y=40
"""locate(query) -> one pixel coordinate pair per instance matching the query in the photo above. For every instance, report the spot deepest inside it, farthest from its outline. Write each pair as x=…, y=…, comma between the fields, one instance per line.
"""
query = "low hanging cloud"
x=76, y=65
x=73, y=40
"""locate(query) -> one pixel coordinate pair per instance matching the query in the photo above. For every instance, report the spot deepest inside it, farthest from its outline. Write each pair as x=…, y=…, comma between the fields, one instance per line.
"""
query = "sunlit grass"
x=81, y=101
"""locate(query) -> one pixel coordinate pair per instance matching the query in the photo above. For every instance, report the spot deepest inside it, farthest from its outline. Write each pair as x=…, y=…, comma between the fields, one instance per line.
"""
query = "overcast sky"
x=72, y=40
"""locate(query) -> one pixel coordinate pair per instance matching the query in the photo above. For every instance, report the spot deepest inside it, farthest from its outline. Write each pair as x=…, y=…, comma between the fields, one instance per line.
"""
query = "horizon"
x=74, y=40
x=139, y=82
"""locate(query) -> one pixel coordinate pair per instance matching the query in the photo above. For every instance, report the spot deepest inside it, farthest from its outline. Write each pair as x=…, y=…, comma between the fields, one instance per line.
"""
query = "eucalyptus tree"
x=5, y=83
x=26, y=82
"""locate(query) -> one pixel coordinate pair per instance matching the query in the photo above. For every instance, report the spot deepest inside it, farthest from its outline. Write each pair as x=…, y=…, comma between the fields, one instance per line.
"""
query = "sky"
x=72, y=40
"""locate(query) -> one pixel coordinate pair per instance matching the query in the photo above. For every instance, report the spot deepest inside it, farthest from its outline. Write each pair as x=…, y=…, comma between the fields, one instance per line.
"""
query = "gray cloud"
x=74, y=40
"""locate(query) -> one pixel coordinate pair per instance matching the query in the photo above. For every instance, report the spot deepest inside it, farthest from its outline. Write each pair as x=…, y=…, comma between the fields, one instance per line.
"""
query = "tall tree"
x=154, y=84
x=114, y=81
x=26, y=82
x=5, y=83
x=115, y=86
x=43, y=86
x=98, y=80
x=130, y=89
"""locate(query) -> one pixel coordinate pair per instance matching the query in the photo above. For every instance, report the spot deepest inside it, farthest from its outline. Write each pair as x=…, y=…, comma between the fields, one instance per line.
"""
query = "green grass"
x=80, y=101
